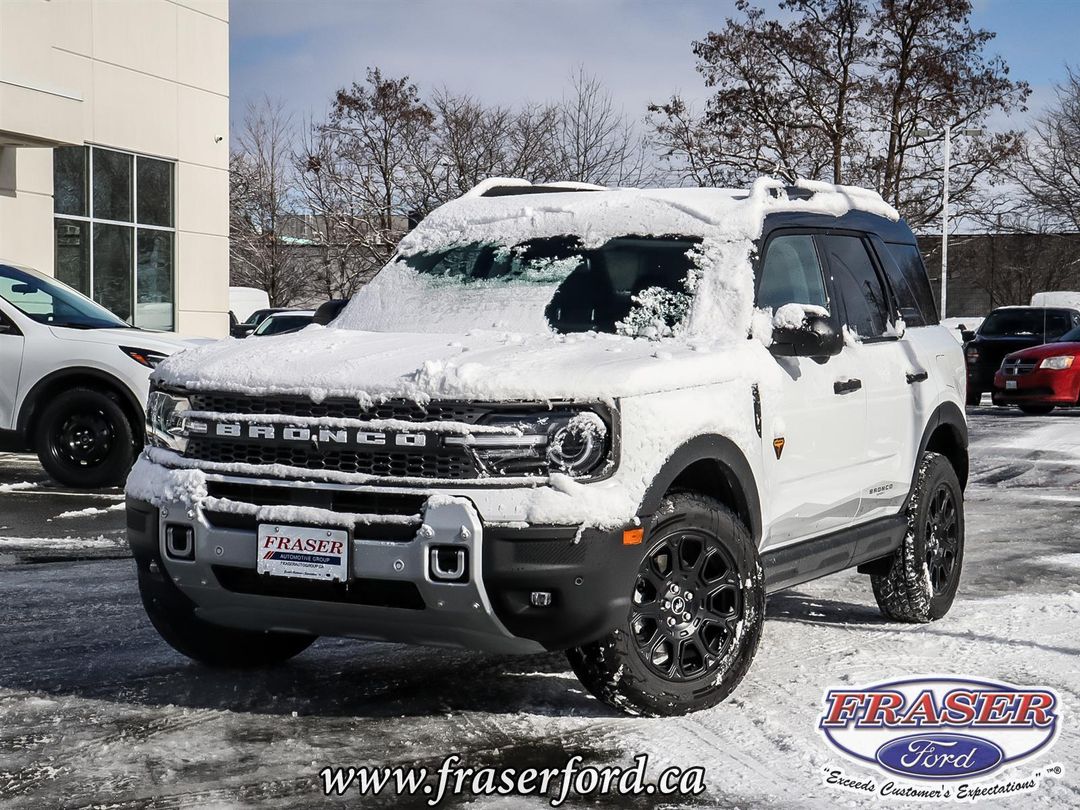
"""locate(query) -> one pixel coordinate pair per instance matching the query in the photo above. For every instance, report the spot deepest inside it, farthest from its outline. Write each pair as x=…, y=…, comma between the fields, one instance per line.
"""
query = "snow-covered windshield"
x=631, y=286
x=1046, y=323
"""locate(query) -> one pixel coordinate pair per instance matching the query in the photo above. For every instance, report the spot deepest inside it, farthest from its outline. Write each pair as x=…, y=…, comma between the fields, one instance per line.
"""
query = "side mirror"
x=967, y=335
x=816, y=338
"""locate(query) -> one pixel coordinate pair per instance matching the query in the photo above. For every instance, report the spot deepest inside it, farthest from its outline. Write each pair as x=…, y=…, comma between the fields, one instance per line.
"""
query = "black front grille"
x=386, y=507
x=1017, y=367
x=446, y=463
x=372, y=592
x=403, y=409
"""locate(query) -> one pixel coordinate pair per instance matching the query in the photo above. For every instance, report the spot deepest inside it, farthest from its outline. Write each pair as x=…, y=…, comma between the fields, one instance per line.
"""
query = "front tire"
x=920, y=584
x=83, y=439
x=695, y=620
x=173, y=616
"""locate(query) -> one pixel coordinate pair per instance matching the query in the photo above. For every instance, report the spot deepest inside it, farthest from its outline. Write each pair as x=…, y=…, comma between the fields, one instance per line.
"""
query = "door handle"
x=917, y=377
x=846, y=386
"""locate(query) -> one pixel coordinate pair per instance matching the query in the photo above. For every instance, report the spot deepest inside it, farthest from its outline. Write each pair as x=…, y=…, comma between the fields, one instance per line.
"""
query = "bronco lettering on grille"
x=292, y=434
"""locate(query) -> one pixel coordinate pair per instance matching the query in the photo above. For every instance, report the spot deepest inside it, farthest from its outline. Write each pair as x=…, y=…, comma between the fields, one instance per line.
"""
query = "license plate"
x=1010, y=385
x=304, y=552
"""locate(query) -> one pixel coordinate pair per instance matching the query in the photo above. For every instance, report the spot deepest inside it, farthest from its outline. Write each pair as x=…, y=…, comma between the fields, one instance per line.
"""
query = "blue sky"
x=508, y=51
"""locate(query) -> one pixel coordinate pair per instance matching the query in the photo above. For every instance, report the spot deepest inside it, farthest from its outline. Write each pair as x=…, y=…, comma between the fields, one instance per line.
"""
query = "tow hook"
x=448, y=563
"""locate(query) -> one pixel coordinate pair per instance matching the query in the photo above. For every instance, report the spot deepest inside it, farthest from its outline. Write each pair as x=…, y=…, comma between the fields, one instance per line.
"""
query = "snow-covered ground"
x=95, y=710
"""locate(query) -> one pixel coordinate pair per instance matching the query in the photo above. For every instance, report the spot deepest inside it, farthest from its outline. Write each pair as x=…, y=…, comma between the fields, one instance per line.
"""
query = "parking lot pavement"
x=41, y=520
x=95, y=709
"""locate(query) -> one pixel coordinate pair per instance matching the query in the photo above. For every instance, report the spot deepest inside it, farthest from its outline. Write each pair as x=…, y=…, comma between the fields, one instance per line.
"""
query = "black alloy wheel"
x=686, y=605
x=943, y=540
x=918, y=582
x=696, y=612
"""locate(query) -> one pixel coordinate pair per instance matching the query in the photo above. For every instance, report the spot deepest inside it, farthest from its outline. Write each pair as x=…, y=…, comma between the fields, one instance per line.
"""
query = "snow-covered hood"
x=480, y=366
x=164, y=342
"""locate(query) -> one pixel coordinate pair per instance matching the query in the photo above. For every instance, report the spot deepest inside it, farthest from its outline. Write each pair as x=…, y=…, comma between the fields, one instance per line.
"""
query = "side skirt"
x=821, y=556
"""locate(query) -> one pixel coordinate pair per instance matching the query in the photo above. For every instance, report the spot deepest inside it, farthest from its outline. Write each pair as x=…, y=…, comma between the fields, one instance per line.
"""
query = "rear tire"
x=1036, y=410
x=83, y=439
x=173, y=616
x=920, y=584
x=695, y=620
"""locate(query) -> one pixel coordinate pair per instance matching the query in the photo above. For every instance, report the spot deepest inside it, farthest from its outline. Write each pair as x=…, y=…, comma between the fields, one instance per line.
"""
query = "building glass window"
x=115, y=231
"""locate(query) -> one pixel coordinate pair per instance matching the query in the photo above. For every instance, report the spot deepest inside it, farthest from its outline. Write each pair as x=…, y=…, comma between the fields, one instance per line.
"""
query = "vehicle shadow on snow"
x=334, y=678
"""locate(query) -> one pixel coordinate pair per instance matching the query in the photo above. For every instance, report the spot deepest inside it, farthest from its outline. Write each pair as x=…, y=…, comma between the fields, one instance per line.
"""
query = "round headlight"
x=576, y=447
x=164, y=421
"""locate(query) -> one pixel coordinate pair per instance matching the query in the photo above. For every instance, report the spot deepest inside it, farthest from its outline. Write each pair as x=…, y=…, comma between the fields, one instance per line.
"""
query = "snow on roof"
x=603, y=214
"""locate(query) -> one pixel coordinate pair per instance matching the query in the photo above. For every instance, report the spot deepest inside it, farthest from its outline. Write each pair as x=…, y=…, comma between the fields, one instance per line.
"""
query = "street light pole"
x=945, y=222
x=947, y=154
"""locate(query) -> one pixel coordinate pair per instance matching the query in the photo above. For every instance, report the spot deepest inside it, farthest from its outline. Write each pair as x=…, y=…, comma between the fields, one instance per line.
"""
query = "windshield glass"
x=1048, y=324
x=1072, y=336
x=630, y=286
x=51, y=302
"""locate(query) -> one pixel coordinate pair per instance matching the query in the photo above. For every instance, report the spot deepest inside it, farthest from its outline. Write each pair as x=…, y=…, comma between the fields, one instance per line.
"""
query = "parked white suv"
x=73, y=379
x=570, y=418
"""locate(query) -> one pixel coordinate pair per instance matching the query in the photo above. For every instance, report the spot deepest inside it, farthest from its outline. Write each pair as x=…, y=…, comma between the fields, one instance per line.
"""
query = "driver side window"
x=791, y=273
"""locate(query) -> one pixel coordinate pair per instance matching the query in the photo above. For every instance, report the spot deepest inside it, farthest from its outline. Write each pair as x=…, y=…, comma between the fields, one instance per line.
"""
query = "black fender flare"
x=950, y=416
x=732, y=463
x=31, y=402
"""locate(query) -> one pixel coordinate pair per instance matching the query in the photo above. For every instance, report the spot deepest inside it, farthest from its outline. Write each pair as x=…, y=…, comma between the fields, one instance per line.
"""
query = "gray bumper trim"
x=456, y=615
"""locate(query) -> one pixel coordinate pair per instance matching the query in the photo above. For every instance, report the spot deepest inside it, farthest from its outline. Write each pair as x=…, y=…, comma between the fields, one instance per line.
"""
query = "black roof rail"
x=512, y=191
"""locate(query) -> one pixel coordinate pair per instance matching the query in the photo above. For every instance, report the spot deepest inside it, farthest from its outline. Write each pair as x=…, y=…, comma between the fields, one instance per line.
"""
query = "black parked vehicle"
x=1007, y=330
x=242, y=330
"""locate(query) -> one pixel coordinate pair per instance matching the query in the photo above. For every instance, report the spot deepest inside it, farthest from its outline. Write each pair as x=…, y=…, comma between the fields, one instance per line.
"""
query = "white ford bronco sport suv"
x=606, y=421
x=73, y=379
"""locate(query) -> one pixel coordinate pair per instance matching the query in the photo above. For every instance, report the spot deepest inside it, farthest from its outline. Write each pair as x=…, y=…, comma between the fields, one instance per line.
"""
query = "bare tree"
x=594, y=141
x=261, y=198
x=1050, y=169
x=838, y=90
x=361, y=173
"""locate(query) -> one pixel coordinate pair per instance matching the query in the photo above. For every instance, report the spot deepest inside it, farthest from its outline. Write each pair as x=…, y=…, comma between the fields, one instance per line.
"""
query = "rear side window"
x=857, y=284
x=791, y=273
x=912, y=284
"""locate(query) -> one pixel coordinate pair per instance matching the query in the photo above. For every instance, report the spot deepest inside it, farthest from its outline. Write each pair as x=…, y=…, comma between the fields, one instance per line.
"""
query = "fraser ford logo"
x=944, y=734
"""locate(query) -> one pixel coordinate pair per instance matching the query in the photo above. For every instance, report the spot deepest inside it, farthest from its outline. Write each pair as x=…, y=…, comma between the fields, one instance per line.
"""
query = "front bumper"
x=392, y=594
x=1039, y=387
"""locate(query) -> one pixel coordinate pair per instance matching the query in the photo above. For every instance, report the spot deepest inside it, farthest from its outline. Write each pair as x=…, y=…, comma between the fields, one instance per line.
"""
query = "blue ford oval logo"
x=939, y=756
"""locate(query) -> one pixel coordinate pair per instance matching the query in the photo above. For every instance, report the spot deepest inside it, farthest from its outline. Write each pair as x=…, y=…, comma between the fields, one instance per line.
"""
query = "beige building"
x=114, y=153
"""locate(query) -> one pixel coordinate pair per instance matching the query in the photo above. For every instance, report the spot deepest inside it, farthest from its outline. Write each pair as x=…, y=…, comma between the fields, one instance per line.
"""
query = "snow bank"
x=18, y=486
x=90, y=511
x=155, y=484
